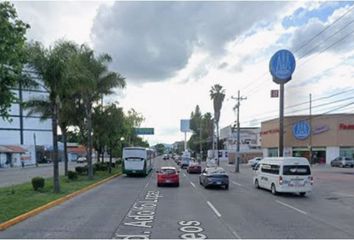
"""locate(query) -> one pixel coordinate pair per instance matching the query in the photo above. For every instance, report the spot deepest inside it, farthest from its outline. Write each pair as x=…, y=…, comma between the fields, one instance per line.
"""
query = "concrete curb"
x=54, y=203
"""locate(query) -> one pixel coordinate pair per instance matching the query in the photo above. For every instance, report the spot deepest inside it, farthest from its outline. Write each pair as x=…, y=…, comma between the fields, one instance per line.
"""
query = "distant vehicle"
x=81, y=159
x=137, y=160
x=342, y=162
x=254, y=161
x=167, y=176
x=194, y=168
x=211, y=163
x=215, y=176
x=284, y=174
x=185, y=162
x=165, y=157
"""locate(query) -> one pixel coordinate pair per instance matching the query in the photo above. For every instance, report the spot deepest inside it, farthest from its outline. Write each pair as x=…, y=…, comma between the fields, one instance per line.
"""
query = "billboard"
x=185, y=123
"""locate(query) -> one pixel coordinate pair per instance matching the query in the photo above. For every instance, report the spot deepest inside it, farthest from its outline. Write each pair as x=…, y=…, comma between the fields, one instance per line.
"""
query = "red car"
x=194, y=168
x=167, y=176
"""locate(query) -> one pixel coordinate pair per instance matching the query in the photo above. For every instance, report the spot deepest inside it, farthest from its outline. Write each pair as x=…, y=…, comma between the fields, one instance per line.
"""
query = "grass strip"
x=19, y=199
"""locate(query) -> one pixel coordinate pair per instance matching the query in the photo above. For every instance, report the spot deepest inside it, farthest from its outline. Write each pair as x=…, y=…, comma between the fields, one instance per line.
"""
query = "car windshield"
x=296, y=170
x=168, y=171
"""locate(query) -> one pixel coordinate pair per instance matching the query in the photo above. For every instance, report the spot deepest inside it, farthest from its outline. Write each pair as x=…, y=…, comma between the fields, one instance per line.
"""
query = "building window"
x=346, y=152
x=272, y=152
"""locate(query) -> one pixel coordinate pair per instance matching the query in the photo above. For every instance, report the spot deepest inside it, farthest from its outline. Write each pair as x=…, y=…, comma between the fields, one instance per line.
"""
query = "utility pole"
x=238, y=99
x=310, y=139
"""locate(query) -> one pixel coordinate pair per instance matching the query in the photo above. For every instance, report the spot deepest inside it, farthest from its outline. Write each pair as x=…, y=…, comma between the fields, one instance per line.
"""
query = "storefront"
x=325, y=137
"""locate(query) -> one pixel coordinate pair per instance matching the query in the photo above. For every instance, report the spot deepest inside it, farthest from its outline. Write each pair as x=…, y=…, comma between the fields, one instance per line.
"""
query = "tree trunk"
x=56, y=182
x=98, y=154
x=89, y=138
x=102, y=156
x=110, y=161
x=217, y=143
x=66, y=160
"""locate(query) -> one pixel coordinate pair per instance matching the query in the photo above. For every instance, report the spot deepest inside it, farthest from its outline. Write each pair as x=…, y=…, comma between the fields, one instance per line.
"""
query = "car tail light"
x=280, y=180
x=311, y=180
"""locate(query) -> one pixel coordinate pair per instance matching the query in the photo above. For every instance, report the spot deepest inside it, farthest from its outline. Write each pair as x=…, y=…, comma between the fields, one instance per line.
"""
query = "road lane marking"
x=214, y=209
x=236, y=183
x=193, y=184
x=289, y=206
x=184, y=175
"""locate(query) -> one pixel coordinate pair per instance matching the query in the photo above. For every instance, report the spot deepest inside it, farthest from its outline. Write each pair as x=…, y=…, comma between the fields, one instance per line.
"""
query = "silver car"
x=343, y=162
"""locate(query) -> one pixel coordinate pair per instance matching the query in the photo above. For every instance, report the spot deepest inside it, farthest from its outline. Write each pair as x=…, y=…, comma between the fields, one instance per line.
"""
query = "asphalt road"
x=136, y=208
x=17, y=175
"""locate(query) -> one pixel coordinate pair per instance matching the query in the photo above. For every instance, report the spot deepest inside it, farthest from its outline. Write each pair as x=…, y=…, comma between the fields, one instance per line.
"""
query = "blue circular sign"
x=301, y=130
x=282, y=65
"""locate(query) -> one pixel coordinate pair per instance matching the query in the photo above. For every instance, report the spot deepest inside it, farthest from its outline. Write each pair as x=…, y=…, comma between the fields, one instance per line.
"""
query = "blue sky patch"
x=301, y=15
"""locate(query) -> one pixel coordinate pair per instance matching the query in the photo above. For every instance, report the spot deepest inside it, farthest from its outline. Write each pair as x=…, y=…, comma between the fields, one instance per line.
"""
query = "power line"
x=306, y=43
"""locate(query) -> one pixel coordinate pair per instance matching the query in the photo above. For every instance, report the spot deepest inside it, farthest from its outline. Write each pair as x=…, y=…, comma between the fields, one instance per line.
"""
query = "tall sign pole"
x=282, y=66
x=310, y=139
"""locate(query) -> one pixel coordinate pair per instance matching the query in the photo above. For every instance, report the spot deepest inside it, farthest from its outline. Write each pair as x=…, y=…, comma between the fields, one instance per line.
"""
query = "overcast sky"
x=171, y=53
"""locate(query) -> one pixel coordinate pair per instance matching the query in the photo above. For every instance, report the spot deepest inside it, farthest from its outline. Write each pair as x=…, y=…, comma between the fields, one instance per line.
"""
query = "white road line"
x=214, y=209
x=184, y=175
x=236, y=183
x=289, y=206
x=193, y=184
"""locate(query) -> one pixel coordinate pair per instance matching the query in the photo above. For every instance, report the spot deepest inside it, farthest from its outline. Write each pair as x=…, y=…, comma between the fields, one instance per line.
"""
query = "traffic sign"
x=281, y=66
x=274, y=93
x=144, y=131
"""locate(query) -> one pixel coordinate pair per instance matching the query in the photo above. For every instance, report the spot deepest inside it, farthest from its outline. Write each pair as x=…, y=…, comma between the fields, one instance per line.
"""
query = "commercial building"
x=250, y=143
x=327, y=136
x=19, y=136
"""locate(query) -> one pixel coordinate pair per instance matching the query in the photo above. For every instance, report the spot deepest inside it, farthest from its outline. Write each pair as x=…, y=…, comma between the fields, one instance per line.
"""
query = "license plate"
x=168, y=181
x=218, y=182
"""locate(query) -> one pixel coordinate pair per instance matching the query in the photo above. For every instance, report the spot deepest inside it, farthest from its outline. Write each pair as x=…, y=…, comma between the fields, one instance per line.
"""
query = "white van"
x=284, y=174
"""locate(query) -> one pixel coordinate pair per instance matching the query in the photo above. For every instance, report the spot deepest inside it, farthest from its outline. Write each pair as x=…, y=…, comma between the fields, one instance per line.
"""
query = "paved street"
x=136, y=207
x=12, y=176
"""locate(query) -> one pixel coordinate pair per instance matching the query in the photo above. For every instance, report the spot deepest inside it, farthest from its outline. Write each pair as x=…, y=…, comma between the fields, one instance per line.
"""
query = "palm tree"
x=93, y=81
x=217, y=94
x=50, y=67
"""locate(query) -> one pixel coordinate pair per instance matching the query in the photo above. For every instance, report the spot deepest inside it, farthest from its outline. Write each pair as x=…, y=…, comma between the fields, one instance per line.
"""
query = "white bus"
x=137, y=160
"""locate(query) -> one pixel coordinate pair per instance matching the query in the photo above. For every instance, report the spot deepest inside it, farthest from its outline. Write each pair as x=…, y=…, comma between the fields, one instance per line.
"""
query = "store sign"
x=274, y=93
x=301, y=130
x=281, y=66
x=320, y=129
x=343, y=126
x=271, y=131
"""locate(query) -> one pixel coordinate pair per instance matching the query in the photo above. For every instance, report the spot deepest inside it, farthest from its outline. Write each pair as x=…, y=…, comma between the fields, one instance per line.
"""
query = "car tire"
x=177, y=185
x=256, y=184
x=200, y=182
x=302, y=194
x=159, y=184
x=227, y=187
x=273, y=189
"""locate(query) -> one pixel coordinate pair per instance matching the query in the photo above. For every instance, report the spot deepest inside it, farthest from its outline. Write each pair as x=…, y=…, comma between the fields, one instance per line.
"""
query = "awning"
x=12, y=149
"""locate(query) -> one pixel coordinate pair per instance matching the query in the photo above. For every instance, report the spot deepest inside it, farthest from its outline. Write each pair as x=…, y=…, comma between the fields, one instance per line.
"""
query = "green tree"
x=217, y=95
x=93, y=81
x=50, y=65
x=12, y=54
x=160, y=148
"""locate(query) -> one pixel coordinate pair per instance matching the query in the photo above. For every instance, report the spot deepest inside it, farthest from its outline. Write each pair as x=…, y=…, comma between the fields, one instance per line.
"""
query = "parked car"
x=194, y=168
x=215, y=176
x=252, y=162
x=343, y=162
x=284, y=174
x=167, y=176
x=81, y=159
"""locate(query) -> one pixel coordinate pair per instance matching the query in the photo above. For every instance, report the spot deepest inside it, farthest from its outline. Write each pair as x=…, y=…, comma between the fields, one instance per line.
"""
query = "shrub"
x=37, y=183
x=119, y=162
x=72, y=175
x=81, y=170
